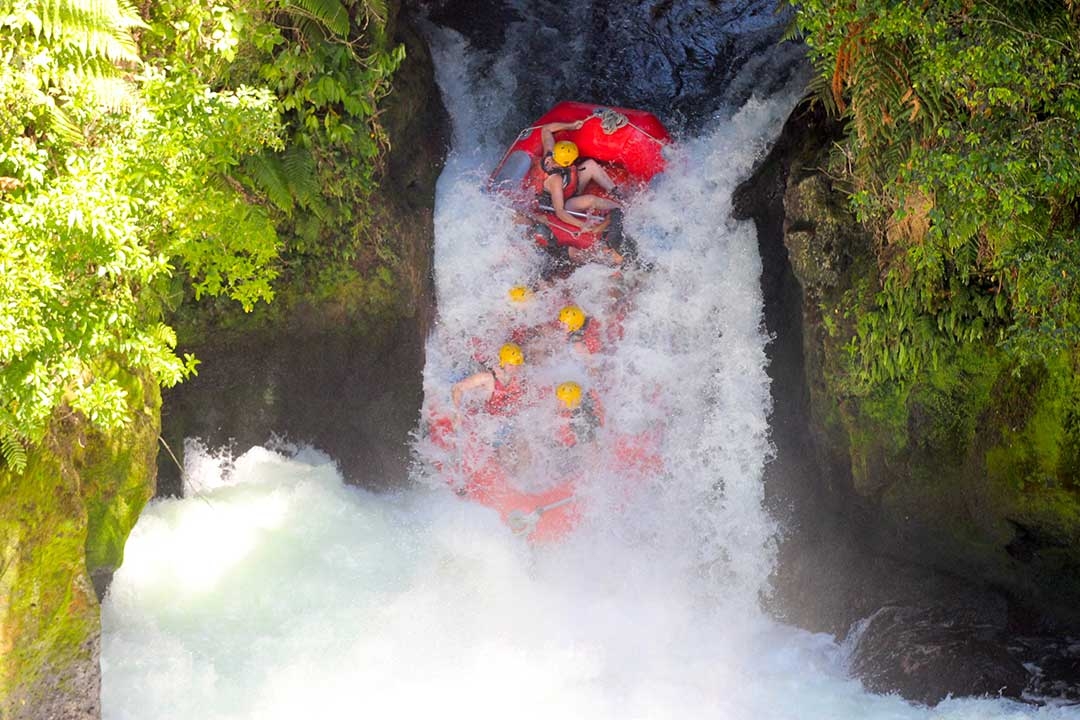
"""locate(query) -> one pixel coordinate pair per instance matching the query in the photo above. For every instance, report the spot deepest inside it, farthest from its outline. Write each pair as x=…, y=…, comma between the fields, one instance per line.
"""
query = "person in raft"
x=581, y=415
x=567, y=177
x=582, y=331
x=500, y=388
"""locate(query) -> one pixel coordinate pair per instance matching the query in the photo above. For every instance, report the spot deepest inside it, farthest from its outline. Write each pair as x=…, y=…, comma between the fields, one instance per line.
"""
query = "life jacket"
x=440, y=430
x=569, y=181
x=581, y=423
x=523, y=334
x=589, y=334
x=505, y=396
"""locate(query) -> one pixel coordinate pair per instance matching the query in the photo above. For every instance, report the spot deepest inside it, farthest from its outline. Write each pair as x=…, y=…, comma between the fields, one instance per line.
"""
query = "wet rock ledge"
x=931, y=618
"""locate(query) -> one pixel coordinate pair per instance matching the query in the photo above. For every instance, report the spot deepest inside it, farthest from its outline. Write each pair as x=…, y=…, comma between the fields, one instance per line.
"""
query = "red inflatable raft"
x=540, y=516
x=628, y=143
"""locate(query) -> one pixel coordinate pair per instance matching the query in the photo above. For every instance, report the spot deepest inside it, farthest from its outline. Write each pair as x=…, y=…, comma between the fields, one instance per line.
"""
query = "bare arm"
x=547, y=132
x=479, y=380
x=553, y=184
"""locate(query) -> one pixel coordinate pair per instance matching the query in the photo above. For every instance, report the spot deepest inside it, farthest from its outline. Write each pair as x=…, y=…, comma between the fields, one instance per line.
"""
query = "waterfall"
x=274, y=590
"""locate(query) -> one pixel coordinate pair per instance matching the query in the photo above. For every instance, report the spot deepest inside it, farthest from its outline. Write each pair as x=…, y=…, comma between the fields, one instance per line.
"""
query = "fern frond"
x=12, y=450
x=311, y=31
x=267, y=174
x=112, y=93
x=90, y=28
x=59, y=122
x=792, y=31
x=820, y=88
x=115, y=47
x=299, y=166
x=330, y=14
x=375, y=15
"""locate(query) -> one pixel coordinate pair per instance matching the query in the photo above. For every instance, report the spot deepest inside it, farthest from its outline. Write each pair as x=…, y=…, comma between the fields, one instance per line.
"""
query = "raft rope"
x=611, y=120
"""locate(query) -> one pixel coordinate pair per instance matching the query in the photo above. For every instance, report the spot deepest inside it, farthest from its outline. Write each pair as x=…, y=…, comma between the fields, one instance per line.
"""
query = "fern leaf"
x=112, y=93
x=299, y=167
x=330, y=14
x=89, y=28
x=59, y=122
x=12, y=450
x=267, y=175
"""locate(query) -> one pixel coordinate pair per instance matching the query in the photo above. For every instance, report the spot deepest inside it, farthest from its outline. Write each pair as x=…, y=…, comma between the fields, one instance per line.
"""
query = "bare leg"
x=584, y=203
x=590, y=170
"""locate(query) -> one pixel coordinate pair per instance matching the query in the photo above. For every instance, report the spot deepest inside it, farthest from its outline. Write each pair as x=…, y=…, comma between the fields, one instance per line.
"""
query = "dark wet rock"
x=820, y=232
x=682, y=60
x=483, y=23
x=349, y=395
x=689, y=58
x=1055, y=666
x=927, y=654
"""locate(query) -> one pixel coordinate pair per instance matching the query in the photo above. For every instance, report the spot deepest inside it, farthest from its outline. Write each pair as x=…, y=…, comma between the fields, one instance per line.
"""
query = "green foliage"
x=234, y=142
x=69, y=46
x=961, y=152
x=329, y=65
x=329, y=96
x=97, y=225
x=13, y=450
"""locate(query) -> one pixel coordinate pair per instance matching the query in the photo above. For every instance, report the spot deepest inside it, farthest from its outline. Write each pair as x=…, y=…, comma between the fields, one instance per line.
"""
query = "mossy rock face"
x=63, y=524
x=819, y=232
x=973, y=467
x=117, y=475
x=987, y=490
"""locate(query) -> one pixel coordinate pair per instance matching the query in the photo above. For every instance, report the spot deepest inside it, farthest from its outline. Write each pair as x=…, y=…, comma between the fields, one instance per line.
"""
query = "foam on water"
x=283, y=593
x=276, y=591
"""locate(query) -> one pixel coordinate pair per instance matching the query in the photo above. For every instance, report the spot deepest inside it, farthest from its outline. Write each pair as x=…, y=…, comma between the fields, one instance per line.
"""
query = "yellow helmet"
x=511, y=354
x=519, y=293
x=564, y=153
x=572, y=317
x=569, y=393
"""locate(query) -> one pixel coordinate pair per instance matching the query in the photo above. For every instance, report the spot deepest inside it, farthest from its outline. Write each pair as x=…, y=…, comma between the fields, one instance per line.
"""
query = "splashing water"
x=276, y=591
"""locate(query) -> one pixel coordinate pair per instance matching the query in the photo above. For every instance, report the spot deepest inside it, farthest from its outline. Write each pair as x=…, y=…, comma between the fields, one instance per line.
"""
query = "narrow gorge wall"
x=63, y=524
x=338, y=368
x=959, y=491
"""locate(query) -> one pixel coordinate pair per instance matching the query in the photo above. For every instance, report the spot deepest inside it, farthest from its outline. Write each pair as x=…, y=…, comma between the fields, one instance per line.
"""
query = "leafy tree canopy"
x=963, y=133
x=144, y=159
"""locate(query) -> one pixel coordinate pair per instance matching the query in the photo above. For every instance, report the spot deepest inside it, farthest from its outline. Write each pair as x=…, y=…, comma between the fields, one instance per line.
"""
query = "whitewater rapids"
x=274, y=591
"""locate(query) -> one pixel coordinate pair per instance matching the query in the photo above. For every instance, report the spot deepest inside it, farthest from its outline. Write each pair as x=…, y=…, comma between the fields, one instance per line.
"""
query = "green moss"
x=1034, y=447
x=974, y=466
x=118, y=475
x=47, y=606
x=326, y=298
x=64, y=521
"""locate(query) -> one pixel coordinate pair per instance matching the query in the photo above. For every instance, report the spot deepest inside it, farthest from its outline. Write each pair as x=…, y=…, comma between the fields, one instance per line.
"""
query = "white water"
x=275, y=591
